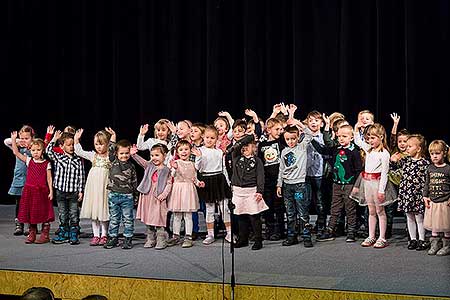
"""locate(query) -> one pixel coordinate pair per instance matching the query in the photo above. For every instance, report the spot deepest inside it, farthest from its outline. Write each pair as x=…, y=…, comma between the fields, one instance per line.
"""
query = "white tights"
x=177, y=217
x=415, y=222
x=96, y=227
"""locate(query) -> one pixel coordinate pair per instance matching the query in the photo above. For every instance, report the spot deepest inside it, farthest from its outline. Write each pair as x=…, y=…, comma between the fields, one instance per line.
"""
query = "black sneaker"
x=127, y=244
x=257, y=245
x=111, y=243
x=307, y=243
x=350, y=238
x=275, y=237
x=19, y=229
x=422, y=245
x=241, y=244
x=290, y=241
x=412, y=244
x=325, y=237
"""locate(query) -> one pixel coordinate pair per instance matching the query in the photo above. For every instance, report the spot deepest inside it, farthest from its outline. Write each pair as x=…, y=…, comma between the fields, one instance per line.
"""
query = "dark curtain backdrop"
x=124, y=63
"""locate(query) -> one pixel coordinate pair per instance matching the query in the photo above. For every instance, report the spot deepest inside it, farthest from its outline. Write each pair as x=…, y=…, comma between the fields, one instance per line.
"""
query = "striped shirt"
x=69, y=171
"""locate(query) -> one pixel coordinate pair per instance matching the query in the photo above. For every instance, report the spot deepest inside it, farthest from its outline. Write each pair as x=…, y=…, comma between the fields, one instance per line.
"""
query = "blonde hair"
x=422, y=143
x=378, y=130
x=336, y=116
x=272, y=122
x=162, y=122
x=27, y=129
x=70, y=129
x=102, y=137
x=212, y=129
x=440, y=146
x=225, y=120
x=366, y=111
x=38, y=142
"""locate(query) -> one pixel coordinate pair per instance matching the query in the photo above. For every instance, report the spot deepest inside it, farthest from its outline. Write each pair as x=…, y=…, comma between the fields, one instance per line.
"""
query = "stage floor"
x=330, y=265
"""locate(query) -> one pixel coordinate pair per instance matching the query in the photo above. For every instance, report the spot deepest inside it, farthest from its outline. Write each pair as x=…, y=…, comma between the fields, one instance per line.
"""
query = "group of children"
x=248, y=171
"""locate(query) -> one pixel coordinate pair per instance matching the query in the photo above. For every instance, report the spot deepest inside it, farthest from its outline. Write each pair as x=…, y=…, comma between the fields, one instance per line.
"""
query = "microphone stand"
x=231, y=207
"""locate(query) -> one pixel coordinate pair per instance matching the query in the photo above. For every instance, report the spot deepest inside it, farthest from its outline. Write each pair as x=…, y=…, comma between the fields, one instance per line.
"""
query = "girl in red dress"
x=36, y=202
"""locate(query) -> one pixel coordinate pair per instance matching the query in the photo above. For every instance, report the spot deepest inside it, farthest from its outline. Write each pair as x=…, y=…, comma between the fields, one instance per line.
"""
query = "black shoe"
x=241, y=244
x=422, y=245
x=275, y=237
x=412, y=244
x=194, y=236
x=127, y=244
x=19, y=229
x=307, y=243
x=325, y=236
x=350, y=238
x=111, y=243
x=257, y=245
x=290, y=241
x=73, y=235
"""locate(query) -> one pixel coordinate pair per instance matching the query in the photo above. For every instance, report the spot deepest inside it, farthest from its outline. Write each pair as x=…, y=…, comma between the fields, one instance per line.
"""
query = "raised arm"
x=393, y=138
x=89, y=155
x=49, y=149
x=15, y=149
x=359, y=141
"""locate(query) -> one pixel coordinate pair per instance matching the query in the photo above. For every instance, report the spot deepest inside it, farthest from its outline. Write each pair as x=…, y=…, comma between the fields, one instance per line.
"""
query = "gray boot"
x=445, y=250
x=151, y=238
x=161, y=239
x=435, y=245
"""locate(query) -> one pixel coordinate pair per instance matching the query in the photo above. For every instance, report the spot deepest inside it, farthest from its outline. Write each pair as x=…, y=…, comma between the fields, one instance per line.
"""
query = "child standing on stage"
x=183, y=200
x=122, y=183
x=224, y=123
x=95, y=200
x=162, y=135
x=69, y=185
x=436, y=195
x=248, y=185
x=154, y=188
x=210, y=164
x=410, y=201
x=371, y=191
x=26, y=134
x=36, y=202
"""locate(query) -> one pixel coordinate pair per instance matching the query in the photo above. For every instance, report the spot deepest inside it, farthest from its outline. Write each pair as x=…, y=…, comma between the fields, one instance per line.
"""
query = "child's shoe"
x=103, y=240
x=161, y=239
x=422, y=245
x=31, y=235
x=275, y=237
x=73, y=235
x=62, y=237
x=257, y=245
x=127, y=243
x=445, y=250
x=174, y=240
x=412, y=244
x=188, y=243
x=151, y=239
x=368, y=242
x=111, y=243
x=307, y=242
x=209, y=240
x=326, y=236
x=435, y=245
x=95, y=241
x=350, y=238
x=45, y=235
x=380, y=243
x=19, y=228
x=290, y=241
x=241, y=243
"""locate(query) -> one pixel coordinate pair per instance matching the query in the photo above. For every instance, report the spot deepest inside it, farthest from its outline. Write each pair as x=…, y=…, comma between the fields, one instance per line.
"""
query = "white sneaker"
x=209, y=240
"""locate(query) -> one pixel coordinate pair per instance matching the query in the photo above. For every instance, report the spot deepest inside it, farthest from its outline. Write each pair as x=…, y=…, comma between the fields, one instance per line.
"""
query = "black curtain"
x=123, y=63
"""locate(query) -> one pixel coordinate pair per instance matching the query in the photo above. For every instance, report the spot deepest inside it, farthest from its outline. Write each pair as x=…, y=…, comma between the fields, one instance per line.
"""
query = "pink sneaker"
x=95, y=241
x=103, y=240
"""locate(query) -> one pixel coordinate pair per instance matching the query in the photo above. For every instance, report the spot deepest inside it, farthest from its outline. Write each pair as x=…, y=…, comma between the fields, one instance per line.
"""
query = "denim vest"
x=20, y=174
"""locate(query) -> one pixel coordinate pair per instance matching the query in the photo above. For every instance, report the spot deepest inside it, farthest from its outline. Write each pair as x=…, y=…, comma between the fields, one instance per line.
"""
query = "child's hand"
x=291, y=108
x=395, y=118
x=326, y=119
x=80, y=196
x=57, y=135
x=172, y=127
x=50, y=129
x=427, y=201
x=279, y=192
x=78, y=134
x=258, y=197
x=251, y=114
x=196, y=152
x=396, y=157
x=133, y=149
x=284, y=109
x=143, y=129
x=201, y=184
x=14, y=136
x=50, y=195
x=224, y=114
x=160, y=198
x=381, y=197
x=111, y=132
x=276, y=108
x=173, y=164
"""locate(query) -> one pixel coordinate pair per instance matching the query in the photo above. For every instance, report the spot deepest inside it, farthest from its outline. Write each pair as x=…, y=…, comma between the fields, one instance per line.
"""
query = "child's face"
x=344, y=136
x=157, y=157
x=366, y=119
x=374, y=141
x=210, y=139
x=123, y=153
x=291, y=139
x=248, y=150
x=413, y=147
x=99, y=147
x=184, y=151
x=183, y=130
x=275, y=131
x=196, y=134
x=401, y=142
x=314, y=124
x=36, y=151
x=67, y=146
x=161, y=132
x=238, y=133
x=25, y=139
x=221, y=127
x=250, y=128
x=437, y=157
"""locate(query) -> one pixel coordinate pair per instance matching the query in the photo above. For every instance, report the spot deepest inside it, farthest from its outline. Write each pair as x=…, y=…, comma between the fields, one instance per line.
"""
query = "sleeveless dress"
x=35, y=206
x=184, y=196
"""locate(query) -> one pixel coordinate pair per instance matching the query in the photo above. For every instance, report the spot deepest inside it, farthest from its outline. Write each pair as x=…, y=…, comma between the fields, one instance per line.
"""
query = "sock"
x=211, y=232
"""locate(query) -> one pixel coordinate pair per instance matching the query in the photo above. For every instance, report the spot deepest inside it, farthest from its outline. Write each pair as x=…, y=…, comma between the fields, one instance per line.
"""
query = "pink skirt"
x=151, y=211
x=183, y=197
x=244, y=199
x=437, y=217
x=368, y=193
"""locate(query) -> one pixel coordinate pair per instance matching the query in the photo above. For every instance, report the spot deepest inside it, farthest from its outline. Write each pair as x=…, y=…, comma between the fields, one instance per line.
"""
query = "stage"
x=324, y=270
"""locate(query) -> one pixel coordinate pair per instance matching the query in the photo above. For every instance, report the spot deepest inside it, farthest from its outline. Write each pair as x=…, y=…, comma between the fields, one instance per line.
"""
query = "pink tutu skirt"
x=245, y=201
x=437, y=217
x=367, y=193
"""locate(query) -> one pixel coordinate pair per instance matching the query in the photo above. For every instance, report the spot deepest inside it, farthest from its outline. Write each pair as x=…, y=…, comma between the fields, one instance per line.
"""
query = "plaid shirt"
x=69, y=171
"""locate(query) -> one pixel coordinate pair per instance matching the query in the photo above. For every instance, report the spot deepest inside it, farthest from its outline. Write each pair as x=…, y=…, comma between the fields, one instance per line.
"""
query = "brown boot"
x=44, y=238
x=31, y=234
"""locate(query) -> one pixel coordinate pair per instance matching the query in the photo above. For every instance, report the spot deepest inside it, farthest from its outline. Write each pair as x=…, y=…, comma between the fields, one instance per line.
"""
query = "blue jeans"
x=297, y=206
x=121, y=208
x=314, y=187
x=67, y=208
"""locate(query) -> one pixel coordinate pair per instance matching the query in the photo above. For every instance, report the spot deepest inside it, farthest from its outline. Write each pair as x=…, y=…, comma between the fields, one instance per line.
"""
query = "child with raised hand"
x=95, y=199
x=69, y=185
x=291, y=183
x=365, y=118
x=183, y=200
x=36, y=201
x=436, y=195
x=371, y=191
x=224, y=123
x=210, y=164
x=162, y=135
x=180, y=132
x=155, y=187
x=122, y=183
x=26, y=135
x=410, y=200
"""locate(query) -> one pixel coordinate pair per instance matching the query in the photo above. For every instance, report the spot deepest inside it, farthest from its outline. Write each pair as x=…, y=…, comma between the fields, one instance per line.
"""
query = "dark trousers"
x=17, y=200
x=195, y=223
x=340, y=201
x=274, y=216
x=314, y=188
x=67, y=208
x=255, y=221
